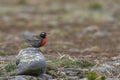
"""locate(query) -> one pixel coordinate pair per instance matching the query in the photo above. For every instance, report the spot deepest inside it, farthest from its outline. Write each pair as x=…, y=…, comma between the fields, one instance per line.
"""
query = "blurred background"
x=77, y=28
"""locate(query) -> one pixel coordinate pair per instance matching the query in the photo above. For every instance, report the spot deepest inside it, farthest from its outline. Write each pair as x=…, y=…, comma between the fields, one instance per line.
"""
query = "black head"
x=43, y=34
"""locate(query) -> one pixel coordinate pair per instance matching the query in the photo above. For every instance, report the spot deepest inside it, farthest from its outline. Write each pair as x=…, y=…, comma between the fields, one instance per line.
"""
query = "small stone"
x=75, y=72
x=90, y=29
x=110, y=19
x=74, y=50
x=11, y=78
x=67, y=27
x=112, y=79
x=70, y=73
x=102, y=33
x=84, y=79
x=73, y=78
x=23, y=77
x=18, y=78
x=108, y=68
x=7, y=58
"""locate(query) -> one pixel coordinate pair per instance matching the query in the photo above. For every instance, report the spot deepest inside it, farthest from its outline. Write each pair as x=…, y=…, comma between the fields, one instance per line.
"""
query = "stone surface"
x=73, y=78
x=78, y=72
x=106, y=79
x=84, y=79
x=113, y=79
x=23, y=77
x=90, y=29
x=7, y=58
x=102, y=33
x=18, y=78
x=30, y=61
x=110, y=69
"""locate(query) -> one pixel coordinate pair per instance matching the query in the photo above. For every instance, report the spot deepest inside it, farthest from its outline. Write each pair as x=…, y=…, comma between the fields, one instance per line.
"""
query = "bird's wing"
x=34, y=43
x=36, y=37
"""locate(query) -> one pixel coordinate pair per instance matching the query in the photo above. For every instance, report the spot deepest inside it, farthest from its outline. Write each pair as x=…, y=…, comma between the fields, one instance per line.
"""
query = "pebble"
x=102, y=33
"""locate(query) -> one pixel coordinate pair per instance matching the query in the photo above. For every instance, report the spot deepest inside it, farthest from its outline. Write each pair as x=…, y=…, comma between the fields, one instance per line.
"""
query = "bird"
x=40, y=40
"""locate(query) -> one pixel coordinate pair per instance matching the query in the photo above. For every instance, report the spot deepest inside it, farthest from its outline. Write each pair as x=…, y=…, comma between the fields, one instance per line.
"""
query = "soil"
x=65, y=21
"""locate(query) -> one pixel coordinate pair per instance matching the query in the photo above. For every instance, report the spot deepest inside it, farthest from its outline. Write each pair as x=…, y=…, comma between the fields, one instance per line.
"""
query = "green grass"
x=21, y=2
x=95, y=76
x=95, y=6
x=66, y=62
x=85, y=63
x=10, y=67
x=2, y=53
x=103, y=78
x=92, y=76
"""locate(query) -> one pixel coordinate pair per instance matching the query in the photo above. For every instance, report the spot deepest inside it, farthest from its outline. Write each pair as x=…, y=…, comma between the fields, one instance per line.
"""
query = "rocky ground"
x=82, y=29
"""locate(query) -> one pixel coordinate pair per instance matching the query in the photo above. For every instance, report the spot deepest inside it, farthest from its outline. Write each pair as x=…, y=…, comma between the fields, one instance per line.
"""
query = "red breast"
x=44, y=41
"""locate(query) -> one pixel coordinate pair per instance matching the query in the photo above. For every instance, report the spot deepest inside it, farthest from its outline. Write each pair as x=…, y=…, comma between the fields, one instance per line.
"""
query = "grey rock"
x=67, y=27
x=71, y=73
x=76, y=72
x=110, y=69
x=102, y=33
x=23, y=77
x=106, y=79
x=7, y=20
x=7, y=58
x=84, y=79
x=73, y=78
x=74, y=50
x=113, y=79
x=116, y=57
x=95, y=31
x=18, y=78
x=110, y=19
x=30, y=61
x=90, y=29
x=46, y=76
